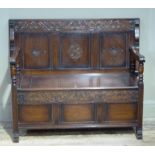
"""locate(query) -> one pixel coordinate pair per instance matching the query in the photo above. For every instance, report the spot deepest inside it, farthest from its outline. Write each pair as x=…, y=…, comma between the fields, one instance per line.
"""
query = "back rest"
x=79, y=44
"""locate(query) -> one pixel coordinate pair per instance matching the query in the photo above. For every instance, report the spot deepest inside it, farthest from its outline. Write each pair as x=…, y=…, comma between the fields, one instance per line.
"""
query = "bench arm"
x=137, y=63
x=134, y=52
x=13, y=57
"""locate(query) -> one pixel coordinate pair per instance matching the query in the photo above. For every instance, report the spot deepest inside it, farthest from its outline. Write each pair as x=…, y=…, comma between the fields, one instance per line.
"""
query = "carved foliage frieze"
x=77, y=96
x=73, y=25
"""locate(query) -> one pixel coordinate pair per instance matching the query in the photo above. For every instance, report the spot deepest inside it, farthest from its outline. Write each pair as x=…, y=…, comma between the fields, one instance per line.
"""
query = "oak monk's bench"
x=82, y=73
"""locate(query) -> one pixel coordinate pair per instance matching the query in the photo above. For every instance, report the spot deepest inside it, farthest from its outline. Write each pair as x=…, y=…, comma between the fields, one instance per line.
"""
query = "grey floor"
x=119, y=137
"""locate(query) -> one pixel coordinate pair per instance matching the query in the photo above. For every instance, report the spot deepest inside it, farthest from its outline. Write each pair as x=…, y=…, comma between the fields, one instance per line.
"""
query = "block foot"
x=138, y=133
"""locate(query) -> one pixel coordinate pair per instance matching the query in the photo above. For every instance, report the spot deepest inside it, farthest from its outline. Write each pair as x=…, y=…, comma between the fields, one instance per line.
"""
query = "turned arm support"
x=137, y=63
x=14, y=64
x=14, y=56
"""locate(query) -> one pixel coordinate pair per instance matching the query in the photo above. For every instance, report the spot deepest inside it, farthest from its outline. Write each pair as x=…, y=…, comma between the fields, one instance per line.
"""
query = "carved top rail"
x=69, y=25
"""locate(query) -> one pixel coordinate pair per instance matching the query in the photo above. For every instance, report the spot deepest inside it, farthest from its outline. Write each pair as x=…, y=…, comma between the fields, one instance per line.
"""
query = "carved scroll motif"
x=75, y=51
x=137, y=32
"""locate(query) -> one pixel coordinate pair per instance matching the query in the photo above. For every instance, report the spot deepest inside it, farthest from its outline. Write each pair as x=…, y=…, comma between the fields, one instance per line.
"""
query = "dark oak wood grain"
x=122, y=112
x=78, y=113
x=76, y=73
x=30, y=113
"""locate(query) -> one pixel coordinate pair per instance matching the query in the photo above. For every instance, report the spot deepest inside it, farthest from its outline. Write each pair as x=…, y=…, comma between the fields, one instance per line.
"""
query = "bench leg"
x=138, y=133
x=15, y=137
x=22, y=132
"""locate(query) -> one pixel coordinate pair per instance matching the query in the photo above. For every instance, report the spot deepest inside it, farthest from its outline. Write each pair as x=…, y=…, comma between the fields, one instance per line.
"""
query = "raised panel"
x=74, y=51
x=113, y=50
x=77, y=113
x=36, y=53
x=122, y=112
x=34, y=113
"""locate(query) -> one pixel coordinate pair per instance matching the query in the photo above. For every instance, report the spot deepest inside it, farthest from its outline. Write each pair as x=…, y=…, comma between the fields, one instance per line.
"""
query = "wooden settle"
x=76, y=73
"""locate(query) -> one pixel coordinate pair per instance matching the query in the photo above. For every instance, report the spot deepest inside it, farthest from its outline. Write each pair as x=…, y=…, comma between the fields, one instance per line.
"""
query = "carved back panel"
x=113, y=50
x=73, y=44
x=36, y=52
x=74, y=51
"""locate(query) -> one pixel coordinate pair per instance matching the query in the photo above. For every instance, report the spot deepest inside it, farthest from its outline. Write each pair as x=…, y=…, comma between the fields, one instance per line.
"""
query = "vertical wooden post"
x=140, y=108
x=13, y=87
x=139, y=73
x=14, y=105
x=139, y=127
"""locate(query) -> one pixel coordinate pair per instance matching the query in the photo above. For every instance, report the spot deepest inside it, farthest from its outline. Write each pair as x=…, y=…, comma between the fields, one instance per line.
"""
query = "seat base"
x=77, y=81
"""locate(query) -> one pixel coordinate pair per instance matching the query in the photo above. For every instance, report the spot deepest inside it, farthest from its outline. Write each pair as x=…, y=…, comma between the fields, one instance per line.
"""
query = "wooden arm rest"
x=135, y=54
x=13, y=57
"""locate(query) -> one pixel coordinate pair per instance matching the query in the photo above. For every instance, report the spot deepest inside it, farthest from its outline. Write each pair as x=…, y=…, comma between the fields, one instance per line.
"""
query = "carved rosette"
x=77, y=96
x=75, y=51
